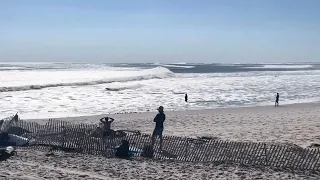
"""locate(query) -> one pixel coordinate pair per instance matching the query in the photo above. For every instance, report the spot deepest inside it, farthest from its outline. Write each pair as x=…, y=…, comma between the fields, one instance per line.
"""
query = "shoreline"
x=171, y=111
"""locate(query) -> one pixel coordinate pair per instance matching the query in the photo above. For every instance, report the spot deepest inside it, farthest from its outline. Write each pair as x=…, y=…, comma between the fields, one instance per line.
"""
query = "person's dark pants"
x=157, y=132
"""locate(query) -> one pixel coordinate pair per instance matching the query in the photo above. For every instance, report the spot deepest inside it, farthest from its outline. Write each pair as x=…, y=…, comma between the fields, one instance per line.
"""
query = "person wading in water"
x=277, y=100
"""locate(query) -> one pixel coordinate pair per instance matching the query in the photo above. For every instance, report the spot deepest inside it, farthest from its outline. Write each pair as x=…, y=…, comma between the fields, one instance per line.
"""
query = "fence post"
x=63, y=135
x=266, y=154
x=187, y=147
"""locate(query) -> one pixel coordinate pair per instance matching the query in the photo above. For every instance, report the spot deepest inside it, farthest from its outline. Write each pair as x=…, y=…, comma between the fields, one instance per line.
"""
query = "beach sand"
x=298, y=124
x=35, y=165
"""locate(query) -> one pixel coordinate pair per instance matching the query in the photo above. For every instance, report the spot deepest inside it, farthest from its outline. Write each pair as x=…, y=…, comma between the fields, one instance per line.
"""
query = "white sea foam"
x=176, y=66
x=122, y=86
x=178, y=92
x=23, y=81
x=179, y=63
x=12, y=68
x=83, y=91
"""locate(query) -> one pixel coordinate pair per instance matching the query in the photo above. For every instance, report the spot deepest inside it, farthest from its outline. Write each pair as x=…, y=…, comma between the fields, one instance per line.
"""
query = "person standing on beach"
x=277, y=100
x=159, y=120
x=186, y=97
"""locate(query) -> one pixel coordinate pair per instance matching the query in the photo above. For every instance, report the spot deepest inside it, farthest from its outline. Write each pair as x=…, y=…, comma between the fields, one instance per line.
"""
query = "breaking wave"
x=177, y=66
x=283, y=66
x=154, y=73
x=123, y=87
x=177, y=92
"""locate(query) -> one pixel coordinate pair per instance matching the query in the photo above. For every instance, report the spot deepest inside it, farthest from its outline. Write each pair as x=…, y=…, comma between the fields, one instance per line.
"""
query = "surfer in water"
x=186, y=98
x=106, y=122
x=277, y=100
x=159, y=120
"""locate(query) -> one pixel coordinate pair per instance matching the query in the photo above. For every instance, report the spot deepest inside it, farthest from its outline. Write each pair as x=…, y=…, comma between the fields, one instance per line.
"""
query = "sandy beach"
x=297, y=123
x=36, y=166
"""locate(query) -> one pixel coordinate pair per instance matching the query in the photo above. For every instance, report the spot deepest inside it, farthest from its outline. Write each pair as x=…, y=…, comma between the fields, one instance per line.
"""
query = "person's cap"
x=160, y=108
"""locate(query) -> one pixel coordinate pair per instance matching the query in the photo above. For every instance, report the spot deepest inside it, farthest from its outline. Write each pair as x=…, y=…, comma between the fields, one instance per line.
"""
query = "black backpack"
x=123, y=150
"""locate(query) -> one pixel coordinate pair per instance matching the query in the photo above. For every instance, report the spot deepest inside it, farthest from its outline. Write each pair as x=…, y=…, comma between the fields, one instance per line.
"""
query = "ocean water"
x=48, y=90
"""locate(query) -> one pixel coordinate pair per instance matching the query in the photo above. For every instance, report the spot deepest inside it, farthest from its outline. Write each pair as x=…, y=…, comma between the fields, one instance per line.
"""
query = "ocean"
x=49, y=90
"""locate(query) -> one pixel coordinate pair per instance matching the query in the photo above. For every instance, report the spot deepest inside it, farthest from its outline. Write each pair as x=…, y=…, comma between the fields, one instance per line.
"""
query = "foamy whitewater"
x=42, y=90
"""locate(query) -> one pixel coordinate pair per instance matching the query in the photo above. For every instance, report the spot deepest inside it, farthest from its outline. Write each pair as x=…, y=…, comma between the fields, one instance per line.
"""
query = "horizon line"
x=181, y=63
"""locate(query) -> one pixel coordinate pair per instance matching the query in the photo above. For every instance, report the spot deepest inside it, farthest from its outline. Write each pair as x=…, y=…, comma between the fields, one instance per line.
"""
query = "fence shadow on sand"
x=80, y=138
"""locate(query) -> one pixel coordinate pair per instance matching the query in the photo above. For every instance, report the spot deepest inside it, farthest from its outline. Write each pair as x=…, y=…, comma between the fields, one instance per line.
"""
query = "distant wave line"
x=282, y=67
x=155, y=73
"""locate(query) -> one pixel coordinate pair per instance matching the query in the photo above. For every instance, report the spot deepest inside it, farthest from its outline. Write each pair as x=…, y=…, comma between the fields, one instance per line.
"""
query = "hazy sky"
x=225, y=31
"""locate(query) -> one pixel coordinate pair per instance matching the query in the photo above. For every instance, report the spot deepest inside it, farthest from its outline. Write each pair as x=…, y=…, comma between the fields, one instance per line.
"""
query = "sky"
x=165, y=31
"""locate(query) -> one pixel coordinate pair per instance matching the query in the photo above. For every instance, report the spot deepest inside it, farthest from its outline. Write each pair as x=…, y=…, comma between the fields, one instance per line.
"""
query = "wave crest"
x=283, y=66
x=155, y=73
x=177, y=66
x=123, y=87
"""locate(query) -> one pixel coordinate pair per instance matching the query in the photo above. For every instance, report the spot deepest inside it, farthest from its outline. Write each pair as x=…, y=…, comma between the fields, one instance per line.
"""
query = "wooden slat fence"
x=82, y=139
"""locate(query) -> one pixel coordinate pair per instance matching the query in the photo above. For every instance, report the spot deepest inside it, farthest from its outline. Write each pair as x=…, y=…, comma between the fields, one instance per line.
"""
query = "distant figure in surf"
x=106, y=125
x=186, y=98
x=159, y=120
x=277, y=100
